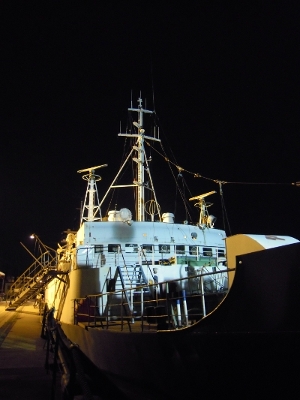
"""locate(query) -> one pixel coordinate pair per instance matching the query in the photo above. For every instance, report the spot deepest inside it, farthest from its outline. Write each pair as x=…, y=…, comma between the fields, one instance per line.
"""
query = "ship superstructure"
x=150, y=245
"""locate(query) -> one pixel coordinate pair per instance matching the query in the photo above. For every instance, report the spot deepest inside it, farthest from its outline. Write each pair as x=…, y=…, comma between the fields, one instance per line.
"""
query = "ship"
x=159, y=309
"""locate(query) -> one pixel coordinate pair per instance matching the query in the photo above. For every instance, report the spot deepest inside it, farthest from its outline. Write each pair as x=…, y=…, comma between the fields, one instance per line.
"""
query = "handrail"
x=33, y=274
x=169, y=309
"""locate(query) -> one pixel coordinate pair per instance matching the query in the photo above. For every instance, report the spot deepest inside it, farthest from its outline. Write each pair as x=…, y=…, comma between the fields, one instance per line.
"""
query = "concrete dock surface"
x=23, y=370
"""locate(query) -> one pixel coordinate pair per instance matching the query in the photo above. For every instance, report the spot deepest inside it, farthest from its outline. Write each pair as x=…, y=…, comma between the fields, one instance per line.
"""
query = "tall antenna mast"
x=140, y=159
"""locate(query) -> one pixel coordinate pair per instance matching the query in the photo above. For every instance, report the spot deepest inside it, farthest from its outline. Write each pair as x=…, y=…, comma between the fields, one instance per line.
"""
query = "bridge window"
x=114, y=248
x=180, y=249
x=207, y=251
x=131, y=248
x=164, y=248
x=99, y=248
x=221, y=252
x=193, y=250
x=147, y=248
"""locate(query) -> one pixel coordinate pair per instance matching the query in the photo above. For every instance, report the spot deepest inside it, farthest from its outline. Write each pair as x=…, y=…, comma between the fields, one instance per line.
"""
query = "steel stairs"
x=33, y=280
x=129, y=277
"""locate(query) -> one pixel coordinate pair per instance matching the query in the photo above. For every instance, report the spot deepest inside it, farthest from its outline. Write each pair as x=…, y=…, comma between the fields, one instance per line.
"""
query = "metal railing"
x=168, y=305
x=32, y=277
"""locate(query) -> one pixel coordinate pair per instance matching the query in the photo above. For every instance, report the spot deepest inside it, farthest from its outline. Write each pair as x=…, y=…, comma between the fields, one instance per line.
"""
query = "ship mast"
x=91, y=208
x=140, y=160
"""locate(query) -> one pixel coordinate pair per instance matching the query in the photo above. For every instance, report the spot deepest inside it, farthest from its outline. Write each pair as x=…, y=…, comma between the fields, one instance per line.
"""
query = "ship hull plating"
x=249, y=344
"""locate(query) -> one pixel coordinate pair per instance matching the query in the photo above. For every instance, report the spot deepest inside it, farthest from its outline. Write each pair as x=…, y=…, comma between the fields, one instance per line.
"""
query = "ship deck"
x=126, y=326
x=137, y=325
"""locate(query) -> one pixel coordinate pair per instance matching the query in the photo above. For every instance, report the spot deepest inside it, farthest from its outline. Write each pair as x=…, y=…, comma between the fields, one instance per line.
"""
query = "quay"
x=24, y=372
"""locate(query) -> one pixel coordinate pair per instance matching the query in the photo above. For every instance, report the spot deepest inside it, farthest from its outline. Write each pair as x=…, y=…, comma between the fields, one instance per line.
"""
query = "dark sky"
x=225, y=80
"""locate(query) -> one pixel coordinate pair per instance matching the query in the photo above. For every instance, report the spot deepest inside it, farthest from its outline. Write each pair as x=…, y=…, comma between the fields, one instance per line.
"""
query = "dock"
x=24, y=372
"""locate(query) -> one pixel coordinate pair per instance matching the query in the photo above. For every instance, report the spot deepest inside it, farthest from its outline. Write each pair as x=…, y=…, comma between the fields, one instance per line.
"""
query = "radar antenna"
x=205, y=220
x=141, y=163
x=92, y=168
x=91, y=207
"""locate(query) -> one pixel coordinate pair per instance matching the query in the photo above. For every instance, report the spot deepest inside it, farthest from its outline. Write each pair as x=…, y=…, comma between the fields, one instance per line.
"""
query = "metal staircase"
x=33, y=280
x=130, y=277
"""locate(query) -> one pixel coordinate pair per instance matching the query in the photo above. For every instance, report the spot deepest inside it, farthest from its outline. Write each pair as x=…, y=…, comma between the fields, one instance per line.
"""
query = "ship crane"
x=91, y=207
x=205, y=220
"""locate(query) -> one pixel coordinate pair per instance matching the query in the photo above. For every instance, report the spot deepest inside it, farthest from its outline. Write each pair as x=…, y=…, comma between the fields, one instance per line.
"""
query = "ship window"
x=99, y=248
x=180, y=249
x=114, y=248
x=147, y=248
x=131, y=248
x=193, y=250
x=164, y=248
x=221, y=252
x=207, y=251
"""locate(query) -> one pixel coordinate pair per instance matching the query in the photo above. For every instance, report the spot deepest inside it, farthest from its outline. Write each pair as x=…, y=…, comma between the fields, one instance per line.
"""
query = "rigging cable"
x=177, y=185
x=224, y=212
x=217, y=181
x=197, y=175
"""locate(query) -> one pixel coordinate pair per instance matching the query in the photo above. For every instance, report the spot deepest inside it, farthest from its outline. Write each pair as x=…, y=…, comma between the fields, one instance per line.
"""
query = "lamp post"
x=44, y=251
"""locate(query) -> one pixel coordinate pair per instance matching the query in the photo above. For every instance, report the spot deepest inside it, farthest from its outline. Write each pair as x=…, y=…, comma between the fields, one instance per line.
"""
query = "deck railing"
x=167, y=305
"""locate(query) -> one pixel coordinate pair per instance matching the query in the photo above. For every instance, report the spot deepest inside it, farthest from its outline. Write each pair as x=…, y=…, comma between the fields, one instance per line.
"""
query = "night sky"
x=225, y=84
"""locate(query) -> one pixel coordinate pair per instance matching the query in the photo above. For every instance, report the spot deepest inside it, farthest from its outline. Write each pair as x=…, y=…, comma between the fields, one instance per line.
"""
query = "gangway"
x=34, y=280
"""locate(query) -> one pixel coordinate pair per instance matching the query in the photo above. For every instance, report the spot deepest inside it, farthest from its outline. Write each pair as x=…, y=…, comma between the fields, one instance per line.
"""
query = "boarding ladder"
x=34, y=280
